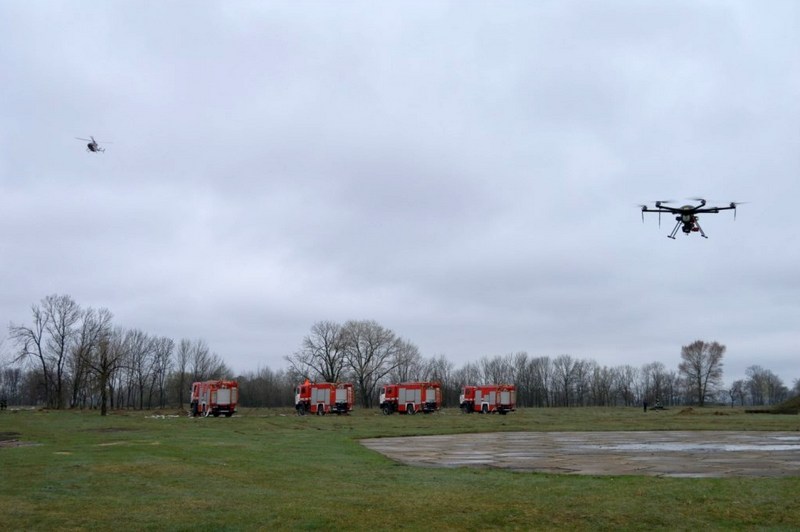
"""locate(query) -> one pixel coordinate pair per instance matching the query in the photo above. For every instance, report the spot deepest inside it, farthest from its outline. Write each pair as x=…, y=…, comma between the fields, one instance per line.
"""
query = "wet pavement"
x=667, y=453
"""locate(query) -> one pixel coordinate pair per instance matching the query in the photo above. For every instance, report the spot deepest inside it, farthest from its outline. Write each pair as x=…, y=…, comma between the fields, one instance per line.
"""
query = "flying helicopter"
x=686, y=215
x=93, y=146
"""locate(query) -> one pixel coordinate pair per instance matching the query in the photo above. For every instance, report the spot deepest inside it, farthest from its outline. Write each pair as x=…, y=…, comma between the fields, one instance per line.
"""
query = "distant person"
x=644, y=403
x=3, y=403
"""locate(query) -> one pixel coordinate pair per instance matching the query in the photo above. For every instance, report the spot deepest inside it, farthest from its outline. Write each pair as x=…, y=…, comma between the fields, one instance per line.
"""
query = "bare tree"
x=63, y=313
x=409, y=365
x=468, y=374
x=49, y=340
x=523, y=378
x=31, y=346
x=105, y=359
x=94, y=324
x=625, y=381
x=162, y=362
x=654, y=376
x=204, y=364
x=583, y=380
x=371, y=352
x=140, y=359
x=497, y=370
x=541, y=369
x=737, y=392
x=266, y=388
x=322, y=354
x=701, y=366
x=180, y=377
x=439, y=369
x=11, y=385
x=602, y=386
x=764, y=386
x=564, y=372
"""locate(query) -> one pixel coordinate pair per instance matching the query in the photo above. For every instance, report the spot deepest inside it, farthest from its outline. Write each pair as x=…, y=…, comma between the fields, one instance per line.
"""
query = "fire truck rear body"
x=214, y=398
x=490, y=398
x=323, y=398
x=411, y=397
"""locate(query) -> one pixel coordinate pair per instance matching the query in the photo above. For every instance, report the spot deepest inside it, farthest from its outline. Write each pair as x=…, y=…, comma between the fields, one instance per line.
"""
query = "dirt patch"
x=11, y=439
x=169, y=413
x=5, y=436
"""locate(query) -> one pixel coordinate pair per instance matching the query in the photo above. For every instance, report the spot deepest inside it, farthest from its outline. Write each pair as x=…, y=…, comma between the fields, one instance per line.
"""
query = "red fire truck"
x=322, y=398
x=490, y=398
x=411, y=397
x=214, y=398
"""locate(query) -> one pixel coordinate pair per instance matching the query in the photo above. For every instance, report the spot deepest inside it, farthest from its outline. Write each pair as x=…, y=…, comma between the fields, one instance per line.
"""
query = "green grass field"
x=269, y=469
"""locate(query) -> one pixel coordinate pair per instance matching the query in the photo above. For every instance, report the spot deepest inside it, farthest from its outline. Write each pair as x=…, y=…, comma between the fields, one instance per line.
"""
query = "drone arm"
x=713, y=210
x=662, y=209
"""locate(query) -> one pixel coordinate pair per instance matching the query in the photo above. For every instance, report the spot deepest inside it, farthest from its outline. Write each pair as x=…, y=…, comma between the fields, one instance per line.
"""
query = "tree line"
x=68, y=356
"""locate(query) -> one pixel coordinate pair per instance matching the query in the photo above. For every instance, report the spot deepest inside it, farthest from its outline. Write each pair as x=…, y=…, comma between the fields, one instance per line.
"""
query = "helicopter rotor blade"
x=87, y=140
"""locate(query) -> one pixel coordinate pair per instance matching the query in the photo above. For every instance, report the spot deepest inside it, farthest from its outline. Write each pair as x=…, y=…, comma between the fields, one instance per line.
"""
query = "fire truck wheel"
x=301, y=411
x=215, y=414
x=228, y=414
x=387, y=410
x=410, y=410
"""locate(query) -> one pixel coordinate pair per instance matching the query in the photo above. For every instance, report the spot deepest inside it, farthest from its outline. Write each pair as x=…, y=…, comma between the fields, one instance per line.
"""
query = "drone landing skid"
x=695, y=228
x=702, y=233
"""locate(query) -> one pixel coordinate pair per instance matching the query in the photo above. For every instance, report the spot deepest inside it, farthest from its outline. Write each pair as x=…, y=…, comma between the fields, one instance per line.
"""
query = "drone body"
x=686, y=215
x=93, y=146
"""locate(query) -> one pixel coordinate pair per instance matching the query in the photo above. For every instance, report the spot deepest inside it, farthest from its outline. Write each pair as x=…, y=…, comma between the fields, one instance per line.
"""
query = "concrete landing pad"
x=668, y=453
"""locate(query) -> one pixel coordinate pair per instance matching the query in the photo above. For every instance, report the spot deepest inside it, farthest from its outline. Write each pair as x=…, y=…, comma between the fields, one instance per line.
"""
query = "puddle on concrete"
x=697, y=447
x=695, y=454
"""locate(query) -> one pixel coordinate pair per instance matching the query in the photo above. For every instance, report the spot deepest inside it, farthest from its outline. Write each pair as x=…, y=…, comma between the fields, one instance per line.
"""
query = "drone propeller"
x=734, y=205
x=658, y=204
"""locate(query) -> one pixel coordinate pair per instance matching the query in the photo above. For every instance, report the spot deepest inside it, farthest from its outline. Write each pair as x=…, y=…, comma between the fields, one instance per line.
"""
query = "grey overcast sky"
x=464, y=173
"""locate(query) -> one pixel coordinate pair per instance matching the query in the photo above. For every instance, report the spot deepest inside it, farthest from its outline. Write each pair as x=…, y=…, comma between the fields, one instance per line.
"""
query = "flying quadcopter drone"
x=687, y=215
x=93, y=145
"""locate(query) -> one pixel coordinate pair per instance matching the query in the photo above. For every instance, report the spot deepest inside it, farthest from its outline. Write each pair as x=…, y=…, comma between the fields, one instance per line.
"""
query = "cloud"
x=465, y=175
